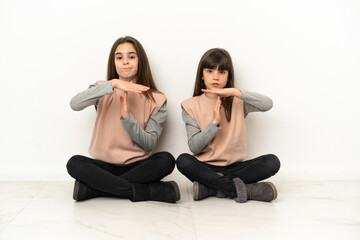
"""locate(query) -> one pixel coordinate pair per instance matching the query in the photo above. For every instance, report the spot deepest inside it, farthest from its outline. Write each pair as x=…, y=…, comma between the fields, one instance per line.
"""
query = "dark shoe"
x=262, y=191
x=159, y=191
x=201, y=191
x=83, y=192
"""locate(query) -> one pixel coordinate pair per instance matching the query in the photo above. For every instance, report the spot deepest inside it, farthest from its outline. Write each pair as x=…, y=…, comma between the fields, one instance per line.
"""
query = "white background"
x=305, y=55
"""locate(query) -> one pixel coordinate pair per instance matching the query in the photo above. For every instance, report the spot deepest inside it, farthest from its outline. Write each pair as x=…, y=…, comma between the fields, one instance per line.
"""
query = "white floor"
x=303, y=210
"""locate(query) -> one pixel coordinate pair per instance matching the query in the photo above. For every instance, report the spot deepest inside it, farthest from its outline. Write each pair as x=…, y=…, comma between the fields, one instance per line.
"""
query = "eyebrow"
x=127, y=53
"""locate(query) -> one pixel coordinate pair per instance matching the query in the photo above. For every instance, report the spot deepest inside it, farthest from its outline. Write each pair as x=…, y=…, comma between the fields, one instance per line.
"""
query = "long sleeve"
x=90, y=96
x=198, y=139
x=255, y=102
x=148, y=137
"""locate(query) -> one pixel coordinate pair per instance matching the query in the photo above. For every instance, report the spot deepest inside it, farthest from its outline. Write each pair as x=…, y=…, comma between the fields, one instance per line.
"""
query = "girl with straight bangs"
x=215, y=125
x=131, y=113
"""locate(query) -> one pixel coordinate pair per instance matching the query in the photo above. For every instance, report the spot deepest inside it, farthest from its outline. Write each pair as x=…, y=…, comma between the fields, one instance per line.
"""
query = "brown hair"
x=143, y=76
x=212, y=59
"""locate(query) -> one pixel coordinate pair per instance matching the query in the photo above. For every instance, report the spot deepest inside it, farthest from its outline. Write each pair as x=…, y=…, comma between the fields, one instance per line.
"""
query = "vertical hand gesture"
x=124, y=105
x=216, y=111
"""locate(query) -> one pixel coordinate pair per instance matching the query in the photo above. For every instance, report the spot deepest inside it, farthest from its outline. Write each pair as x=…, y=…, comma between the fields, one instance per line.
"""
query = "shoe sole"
x=76, y=190
x=274, y=190
x=177, y=190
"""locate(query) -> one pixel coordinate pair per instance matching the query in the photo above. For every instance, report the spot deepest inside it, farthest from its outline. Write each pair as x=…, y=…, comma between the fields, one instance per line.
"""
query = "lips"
x=215, y=84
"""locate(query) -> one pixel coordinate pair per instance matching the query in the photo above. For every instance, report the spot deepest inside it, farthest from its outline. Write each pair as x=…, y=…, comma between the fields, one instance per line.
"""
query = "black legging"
x=249, y=171
x=117, y=180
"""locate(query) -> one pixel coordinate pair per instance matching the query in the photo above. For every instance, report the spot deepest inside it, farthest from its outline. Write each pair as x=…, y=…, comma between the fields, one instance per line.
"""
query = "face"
x=215, y=78
x=126, y=62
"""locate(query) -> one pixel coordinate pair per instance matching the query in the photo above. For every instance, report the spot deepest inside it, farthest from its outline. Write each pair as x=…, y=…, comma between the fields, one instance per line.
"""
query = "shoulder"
x=159, y=97
x=188, y=103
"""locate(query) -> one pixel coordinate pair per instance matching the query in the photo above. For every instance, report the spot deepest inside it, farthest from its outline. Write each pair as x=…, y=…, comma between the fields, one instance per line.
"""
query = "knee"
x=167, y=160
x=184, y=161
x=273, y=163
x=72, y=165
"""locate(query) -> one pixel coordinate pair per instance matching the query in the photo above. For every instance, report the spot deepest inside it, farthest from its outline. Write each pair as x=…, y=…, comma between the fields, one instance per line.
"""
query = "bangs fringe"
x=217, y=60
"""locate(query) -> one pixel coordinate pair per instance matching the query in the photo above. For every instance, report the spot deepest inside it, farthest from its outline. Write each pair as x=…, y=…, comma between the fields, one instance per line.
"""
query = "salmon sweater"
x=116, y=140
x=224, y=144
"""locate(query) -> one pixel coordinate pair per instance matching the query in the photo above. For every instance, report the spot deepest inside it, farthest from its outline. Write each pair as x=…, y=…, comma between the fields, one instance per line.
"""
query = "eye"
x=223, y=72
x=132, y=57
x=209, y=71
x=118, y=58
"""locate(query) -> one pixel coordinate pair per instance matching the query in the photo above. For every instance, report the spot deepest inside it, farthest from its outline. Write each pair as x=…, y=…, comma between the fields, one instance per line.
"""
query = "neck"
x=211, y=95
x=133, y=79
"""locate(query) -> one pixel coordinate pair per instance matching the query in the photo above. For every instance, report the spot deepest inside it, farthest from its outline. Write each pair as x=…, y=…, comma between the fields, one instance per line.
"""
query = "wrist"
x=124, y=115
x=215, y=122
x=114, y=83
x=237, y=92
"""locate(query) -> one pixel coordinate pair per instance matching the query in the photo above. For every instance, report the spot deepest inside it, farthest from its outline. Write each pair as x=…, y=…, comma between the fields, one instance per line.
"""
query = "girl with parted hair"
x=131, y=113
x=215, y=124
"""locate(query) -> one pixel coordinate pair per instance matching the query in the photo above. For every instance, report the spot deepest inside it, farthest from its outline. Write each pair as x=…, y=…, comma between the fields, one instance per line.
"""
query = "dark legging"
x=116, y=180
x=249, y=171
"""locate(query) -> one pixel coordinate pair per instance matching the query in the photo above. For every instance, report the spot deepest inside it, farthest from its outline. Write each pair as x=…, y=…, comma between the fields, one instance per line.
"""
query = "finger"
x=145, y=88
x=137, y=89
x=134, y=90
x=217, y=105
x=212, y=91
x=125, y=98
x=219, y=102
x=206, y=91
x=142, y=88
x=138, y=86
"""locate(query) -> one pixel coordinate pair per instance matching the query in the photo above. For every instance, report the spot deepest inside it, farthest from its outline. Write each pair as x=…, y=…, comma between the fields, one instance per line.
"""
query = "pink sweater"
x=110, y=141
x=229, y=144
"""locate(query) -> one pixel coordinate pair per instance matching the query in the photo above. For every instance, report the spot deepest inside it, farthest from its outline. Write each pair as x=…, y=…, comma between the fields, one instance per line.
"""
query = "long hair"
x=212, y=59
x=143, y=76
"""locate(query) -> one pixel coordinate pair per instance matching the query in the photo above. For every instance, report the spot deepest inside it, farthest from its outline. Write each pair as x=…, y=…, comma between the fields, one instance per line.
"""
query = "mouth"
x=215, y=84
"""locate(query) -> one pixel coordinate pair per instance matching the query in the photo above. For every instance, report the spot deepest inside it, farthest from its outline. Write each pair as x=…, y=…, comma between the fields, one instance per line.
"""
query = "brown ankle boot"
x=262, y=191
x=201, y=191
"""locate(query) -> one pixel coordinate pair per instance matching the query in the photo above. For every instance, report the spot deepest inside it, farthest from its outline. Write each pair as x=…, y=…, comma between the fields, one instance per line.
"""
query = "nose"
x=216, y=75
x=125, y=60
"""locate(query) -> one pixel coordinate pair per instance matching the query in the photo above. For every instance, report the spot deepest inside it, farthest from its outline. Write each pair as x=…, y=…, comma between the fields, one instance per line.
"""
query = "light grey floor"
x=303, y=210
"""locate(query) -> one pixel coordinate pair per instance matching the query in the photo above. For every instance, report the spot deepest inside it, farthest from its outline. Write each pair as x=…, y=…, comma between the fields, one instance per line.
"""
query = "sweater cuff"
x=107, y=87
x=127, y=122
x=211, y=130
x=244, y=96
